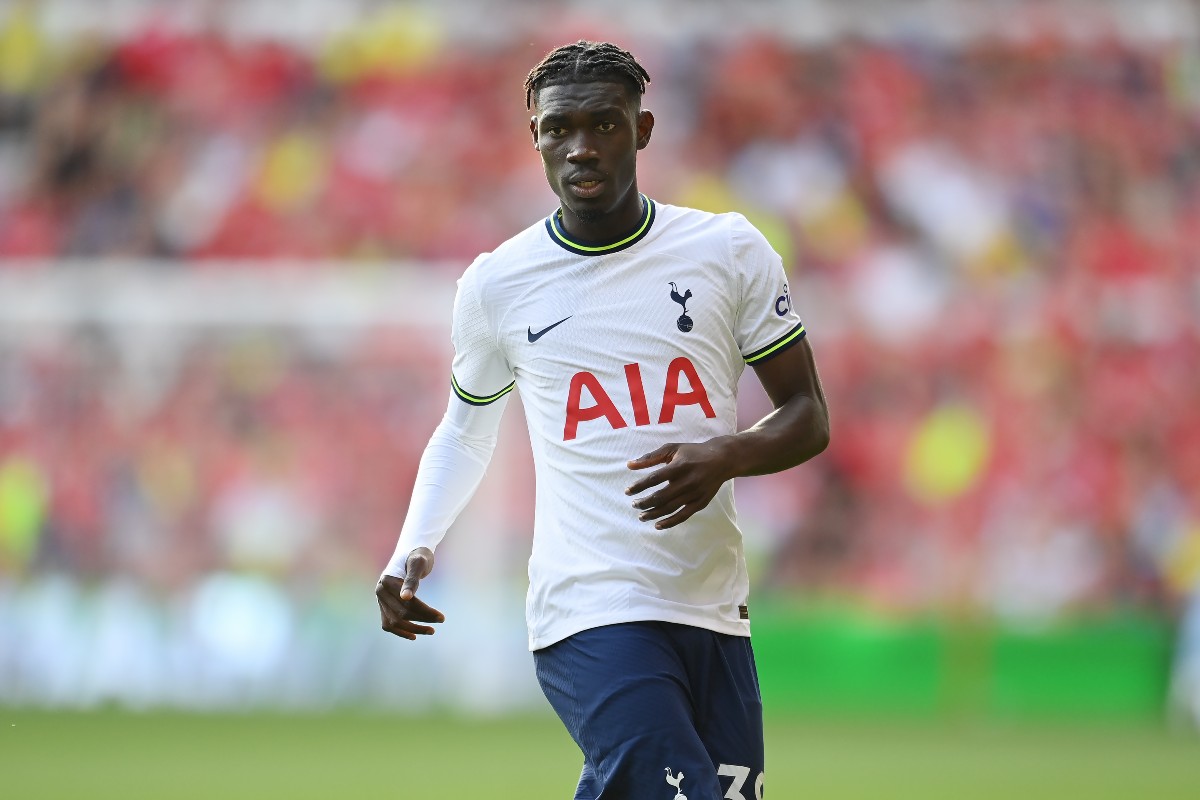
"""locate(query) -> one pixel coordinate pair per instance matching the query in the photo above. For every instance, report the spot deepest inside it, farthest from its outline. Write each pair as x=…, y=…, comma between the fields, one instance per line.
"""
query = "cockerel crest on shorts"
x=675, y=780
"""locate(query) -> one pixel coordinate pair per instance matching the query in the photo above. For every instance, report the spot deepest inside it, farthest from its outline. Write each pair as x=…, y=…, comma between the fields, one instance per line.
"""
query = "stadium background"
x=229, y=234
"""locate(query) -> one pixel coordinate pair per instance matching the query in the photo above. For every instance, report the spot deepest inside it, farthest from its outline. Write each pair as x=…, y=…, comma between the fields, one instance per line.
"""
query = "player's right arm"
x=451, y=467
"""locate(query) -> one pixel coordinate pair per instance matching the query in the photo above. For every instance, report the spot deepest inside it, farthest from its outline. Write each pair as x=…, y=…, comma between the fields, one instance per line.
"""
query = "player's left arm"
x=795, y=431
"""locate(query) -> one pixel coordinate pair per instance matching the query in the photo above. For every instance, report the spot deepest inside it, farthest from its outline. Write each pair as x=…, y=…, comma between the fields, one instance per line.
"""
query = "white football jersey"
x=618, y=348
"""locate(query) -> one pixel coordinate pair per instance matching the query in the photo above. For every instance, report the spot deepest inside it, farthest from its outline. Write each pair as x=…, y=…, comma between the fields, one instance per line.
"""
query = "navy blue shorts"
x=659, y=710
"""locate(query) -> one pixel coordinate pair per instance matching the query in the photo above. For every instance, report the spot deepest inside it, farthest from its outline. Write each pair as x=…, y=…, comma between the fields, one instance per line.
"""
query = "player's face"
x=589, y=135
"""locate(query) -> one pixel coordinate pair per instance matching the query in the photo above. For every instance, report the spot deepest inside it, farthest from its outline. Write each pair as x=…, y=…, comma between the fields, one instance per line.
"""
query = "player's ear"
x=533, y=132
x=645, y=126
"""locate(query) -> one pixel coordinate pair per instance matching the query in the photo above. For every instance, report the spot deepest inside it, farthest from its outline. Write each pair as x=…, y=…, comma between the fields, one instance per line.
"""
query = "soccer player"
x=625, y=323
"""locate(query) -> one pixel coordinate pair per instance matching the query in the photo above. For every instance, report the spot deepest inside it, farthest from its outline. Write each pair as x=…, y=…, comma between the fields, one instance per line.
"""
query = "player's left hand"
x=692, y=473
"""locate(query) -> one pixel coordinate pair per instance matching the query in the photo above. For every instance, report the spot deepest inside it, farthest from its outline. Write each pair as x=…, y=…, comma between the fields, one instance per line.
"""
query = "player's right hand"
x=399, y=606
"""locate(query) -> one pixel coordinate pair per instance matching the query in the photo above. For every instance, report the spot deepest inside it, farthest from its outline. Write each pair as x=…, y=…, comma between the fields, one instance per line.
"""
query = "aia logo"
x=684, y=323
x=600, y=404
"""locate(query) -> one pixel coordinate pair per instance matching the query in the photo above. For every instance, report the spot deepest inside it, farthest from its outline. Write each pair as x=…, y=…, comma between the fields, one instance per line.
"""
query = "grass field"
x=166, y=756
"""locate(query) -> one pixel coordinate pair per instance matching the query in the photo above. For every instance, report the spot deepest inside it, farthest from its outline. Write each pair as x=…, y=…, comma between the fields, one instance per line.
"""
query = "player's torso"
x=615, y=355
x=631, y=340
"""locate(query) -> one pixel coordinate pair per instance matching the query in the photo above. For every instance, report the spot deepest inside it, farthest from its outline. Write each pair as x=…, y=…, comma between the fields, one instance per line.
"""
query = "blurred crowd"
x=995, y=246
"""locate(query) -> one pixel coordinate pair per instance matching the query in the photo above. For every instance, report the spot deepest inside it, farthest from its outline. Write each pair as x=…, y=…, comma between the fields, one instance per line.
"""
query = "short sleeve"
x=767, y=322
x=481, y=374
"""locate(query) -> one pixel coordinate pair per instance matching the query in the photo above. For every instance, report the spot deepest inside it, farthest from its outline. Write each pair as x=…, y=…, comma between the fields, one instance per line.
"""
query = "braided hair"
x=585, y=60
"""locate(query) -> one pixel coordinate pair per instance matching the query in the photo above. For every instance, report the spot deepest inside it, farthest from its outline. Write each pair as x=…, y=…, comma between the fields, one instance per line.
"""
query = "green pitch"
x=130, y=756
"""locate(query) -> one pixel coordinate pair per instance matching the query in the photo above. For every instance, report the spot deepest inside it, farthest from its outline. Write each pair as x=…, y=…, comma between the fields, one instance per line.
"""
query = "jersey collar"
x=584, y=248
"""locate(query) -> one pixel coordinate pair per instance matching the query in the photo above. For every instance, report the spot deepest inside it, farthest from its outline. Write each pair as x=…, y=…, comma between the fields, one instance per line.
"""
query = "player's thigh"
x=623, y=694
x=729, y=712
x=586, y=790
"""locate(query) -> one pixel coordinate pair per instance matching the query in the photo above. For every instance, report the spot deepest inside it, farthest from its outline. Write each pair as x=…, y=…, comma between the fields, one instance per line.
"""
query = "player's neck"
x=606, y=227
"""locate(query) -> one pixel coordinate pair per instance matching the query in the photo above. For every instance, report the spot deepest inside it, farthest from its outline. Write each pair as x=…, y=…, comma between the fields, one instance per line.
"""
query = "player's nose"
x=582, y=148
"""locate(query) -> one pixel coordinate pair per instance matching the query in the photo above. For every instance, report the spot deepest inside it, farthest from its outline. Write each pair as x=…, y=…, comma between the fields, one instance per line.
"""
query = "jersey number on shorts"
x=740, y=775
x=601, y=405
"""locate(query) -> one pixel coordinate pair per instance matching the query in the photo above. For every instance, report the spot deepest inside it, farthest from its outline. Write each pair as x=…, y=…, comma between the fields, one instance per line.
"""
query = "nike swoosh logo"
x=533, y=337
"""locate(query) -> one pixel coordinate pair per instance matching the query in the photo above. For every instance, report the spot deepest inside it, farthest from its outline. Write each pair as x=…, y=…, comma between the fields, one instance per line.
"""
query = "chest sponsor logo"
x=533, y=337
x=598, y=403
